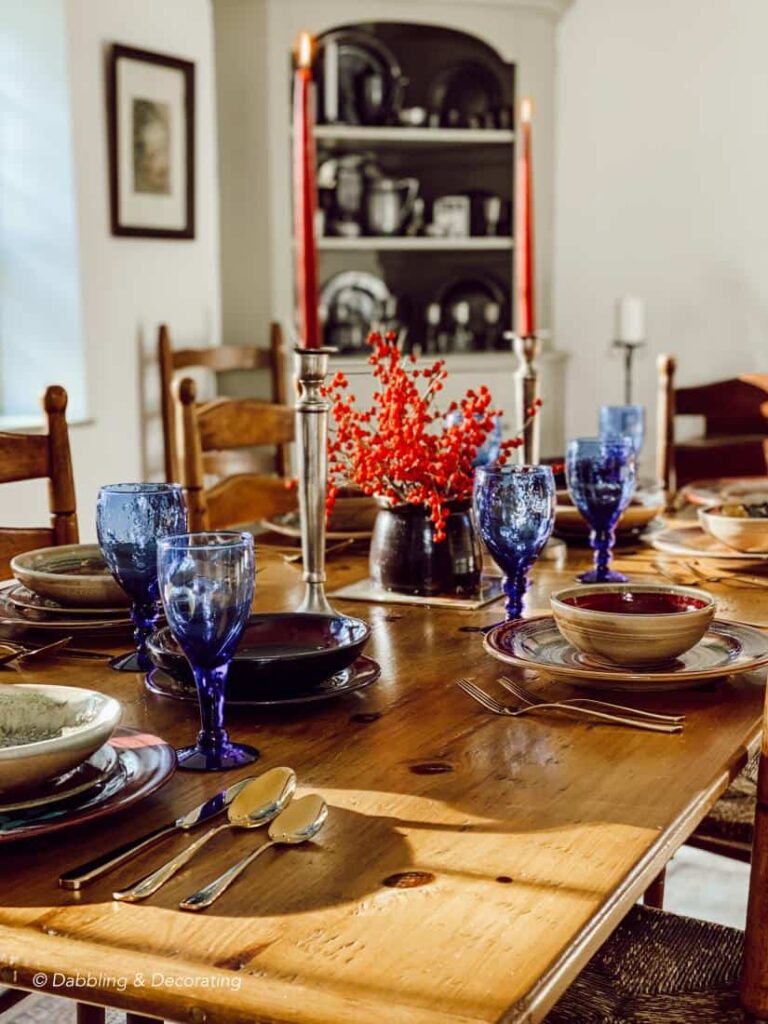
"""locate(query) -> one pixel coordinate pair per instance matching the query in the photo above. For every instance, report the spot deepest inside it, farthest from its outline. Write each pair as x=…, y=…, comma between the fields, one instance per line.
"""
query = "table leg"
x=654, y=894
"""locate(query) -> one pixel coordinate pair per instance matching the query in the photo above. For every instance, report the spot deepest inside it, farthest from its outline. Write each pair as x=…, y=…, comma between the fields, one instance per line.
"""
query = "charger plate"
x=693, y=542
x=727, y=648
x=21, y=597
x=91, y=773
x=145, y=763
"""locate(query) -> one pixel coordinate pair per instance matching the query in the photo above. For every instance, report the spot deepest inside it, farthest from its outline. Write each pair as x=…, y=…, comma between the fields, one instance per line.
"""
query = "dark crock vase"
x=406, y=558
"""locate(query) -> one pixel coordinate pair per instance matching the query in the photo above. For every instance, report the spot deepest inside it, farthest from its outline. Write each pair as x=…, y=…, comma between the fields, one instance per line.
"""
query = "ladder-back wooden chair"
x=224, y=425
x=661, y=967
x=41, y=456
x=735, y=438
x=220, y=359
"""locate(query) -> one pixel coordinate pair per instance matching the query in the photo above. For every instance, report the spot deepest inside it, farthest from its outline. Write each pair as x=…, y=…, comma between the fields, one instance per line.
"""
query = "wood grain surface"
x=470, y=865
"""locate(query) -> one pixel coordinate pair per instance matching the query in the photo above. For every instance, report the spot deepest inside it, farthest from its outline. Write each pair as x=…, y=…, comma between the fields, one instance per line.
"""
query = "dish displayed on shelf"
x=145, y=763
x=48, y=730
x=357, y=676
x=721, y=490
x=694, y=542
x=353, y=302
x=468, y=94
x=87, y=775
x=472, y=313
x=281, y=652
x=727, y=648
x=359, y=79
x=70, y=574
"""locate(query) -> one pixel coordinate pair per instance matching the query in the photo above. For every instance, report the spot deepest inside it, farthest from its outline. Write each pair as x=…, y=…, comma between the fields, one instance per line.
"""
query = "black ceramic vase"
x=406, y=558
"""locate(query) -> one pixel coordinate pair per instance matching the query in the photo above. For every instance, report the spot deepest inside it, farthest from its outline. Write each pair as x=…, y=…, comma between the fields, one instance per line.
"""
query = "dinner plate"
x=726, y=648
x=145, y=763
x=694, y=542
x=288, y=525
x=720, y=490
x=91, y=773
x=18, y=622
x=356, y=677
x=21, y=597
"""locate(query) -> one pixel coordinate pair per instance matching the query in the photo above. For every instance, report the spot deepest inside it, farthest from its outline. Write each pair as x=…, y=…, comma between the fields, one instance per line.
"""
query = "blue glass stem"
x=601, y=542
x=515, y=587
x=144, y=618
x=211, y=687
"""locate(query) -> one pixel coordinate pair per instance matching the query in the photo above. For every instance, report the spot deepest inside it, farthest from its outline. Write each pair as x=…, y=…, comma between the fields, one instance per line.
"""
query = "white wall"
x=130, y=285
x=662, y=144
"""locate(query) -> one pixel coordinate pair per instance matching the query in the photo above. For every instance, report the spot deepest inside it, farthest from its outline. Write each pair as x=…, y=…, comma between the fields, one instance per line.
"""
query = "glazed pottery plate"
x=16, y=622
x=21, y=597
x=288, y=525
x=727, y=648
x=355, y=677
x=285, y=652
x=72, y=574
x=91, y=773
x=694, y=542
x=722, y=490
x=145, y=763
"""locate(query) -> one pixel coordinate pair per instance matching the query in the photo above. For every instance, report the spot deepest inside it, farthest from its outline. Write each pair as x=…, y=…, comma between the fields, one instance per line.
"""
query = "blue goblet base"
x=602, y=576
x=230, y=755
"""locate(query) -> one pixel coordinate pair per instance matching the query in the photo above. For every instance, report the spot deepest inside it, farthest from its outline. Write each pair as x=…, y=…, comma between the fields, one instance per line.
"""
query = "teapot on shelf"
x=389, y=203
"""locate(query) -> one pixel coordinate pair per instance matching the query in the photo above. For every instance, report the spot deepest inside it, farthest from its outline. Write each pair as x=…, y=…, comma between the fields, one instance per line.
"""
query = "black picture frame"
x=186, y=68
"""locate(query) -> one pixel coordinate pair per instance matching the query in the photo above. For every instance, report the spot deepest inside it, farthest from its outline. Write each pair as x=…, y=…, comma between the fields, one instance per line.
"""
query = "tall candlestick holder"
x=312, y=435
x=628, y=348
x=527, y=391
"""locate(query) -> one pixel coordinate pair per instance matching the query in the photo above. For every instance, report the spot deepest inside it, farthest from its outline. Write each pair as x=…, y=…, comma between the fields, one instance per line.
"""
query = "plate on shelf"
x=357, y=676
x=537, y=644
x=288, y=525
x=694, y=542
x=21, y=597
x=721, y=490
x=352, y=300
x=145, y=763
x=470, y=88
x=91, y=773
x=362, y=58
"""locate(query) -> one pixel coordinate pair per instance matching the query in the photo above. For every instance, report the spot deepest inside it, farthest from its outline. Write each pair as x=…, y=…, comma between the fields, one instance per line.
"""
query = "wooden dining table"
x=470, y=865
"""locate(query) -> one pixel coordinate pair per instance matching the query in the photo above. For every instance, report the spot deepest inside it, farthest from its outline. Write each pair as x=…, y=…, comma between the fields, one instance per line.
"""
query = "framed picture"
x=151, y=115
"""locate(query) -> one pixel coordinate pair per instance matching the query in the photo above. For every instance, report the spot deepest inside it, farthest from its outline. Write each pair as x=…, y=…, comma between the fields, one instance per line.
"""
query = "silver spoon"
x=297, y=824
x=256, y=804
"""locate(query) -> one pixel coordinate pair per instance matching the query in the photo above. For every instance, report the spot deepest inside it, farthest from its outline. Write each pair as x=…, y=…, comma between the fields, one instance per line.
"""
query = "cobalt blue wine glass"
x=515, y=513
x=206, y=585
x=624, y=421
x=601, y=474
x=129, y=520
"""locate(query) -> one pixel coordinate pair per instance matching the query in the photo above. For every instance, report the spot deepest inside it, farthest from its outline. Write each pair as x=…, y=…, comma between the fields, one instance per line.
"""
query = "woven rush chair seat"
x=732, y=819
x=659, y=968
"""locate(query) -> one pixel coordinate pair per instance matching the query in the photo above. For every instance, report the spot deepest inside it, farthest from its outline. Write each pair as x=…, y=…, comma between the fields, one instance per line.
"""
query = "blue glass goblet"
x=601, y=475
x=515, y=513
x=206, y=585
x=129, y=520
x=624, y=421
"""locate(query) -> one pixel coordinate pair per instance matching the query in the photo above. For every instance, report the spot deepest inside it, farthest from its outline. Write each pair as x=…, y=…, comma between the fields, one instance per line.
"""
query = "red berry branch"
x=405, y=449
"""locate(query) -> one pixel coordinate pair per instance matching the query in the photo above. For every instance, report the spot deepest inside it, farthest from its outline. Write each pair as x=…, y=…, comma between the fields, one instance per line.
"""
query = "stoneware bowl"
x=72, y=574
x=47, y=730
x=632, y=624
x=740, y=533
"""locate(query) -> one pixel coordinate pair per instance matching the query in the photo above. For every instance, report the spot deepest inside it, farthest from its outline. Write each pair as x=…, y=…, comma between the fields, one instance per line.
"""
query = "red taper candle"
x=305, y=198
x=524, y=265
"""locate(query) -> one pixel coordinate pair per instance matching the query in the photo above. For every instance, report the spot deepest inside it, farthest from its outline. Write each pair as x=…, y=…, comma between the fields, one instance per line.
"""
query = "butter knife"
x=83, y=874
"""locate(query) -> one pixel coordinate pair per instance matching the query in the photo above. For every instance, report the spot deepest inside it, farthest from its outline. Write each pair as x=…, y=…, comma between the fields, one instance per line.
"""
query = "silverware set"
x=695, y=577
x=588, y=708
x=266, y=799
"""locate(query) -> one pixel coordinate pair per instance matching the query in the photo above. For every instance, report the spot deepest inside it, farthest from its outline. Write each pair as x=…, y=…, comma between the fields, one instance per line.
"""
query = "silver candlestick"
x=312, y=436
x=527, y=388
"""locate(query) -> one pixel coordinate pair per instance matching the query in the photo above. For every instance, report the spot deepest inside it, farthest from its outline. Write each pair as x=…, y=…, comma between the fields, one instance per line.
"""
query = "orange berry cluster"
x=404, y=449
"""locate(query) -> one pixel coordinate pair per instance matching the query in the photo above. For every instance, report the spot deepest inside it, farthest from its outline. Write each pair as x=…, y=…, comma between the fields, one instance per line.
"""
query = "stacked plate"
x=641, y=516
x=66, y=589
x=282, y=659
x=64, y=762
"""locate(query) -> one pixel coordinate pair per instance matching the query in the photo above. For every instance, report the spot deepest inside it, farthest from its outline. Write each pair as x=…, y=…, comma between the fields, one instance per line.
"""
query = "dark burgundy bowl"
x=277, y=653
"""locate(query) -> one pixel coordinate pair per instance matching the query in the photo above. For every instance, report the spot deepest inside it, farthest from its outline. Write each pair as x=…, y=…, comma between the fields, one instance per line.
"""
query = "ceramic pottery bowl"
x=71, y=574
x=741, y=530
x=47, y=730
x=632, y=624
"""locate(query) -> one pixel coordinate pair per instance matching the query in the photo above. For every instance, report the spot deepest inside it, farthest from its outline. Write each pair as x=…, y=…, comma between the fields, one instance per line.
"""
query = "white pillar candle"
x=331, y=81
x=630, y=319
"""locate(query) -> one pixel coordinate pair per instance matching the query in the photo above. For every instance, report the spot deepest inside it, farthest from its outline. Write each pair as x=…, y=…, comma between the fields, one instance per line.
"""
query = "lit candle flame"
x=526, y=109
x=305, y=50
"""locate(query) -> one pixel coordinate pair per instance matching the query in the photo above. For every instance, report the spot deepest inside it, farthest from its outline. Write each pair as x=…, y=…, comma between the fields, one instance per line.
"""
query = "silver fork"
x=725, y=577
x=529, y=697
x=491, y=704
